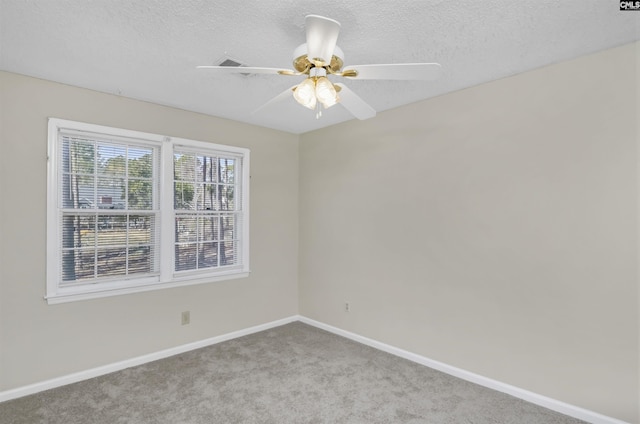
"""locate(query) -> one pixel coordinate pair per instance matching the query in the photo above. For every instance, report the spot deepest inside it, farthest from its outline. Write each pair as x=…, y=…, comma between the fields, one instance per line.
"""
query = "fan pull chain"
x=318, y=111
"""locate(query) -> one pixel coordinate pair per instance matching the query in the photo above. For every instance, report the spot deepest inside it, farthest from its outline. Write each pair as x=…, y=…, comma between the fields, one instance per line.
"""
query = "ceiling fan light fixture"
x=320, y=57
x=305, y=93
x=326, y=92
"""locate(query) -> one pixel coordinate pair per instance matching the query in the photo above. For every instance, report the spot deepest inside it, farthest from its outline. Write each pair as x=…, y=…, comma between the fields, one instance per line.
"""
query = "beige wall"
x=637, y=120
x=39, y=341
x=493, y=229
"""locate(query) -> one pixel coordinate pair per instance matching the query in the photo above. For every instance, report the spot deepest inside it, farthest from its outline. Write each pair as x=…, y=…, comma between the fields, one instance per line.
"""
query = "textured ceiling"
x=149, y=49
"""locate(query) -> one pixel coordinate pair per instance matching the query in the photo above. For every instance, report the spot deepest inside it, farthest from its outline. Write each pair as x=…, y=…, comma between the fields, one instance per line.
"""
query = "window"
x=130, y=211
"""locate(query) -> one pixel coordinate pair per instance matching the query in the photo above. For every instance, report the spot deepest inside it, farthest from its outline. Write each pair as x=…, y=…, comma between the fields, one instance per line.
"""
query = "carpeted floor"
x=290, y=374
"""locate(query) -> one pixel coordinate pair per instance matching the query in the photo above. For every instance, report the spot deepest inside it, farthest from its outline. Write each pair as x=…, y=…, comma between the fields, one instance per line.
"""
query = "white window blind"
x=109, y=229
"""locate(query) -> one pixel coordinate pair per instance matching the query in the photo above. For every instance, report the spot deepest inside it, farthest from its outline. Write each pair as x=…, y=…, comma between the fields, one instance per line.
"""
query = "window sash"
x=115, y=248
x=208, y=210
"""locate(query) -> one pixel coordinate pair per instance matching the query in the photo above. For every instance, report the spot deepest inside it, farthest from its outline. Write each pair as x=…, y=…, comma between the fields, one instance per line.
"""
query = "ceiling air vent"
x=230, y=62
x=226, y=61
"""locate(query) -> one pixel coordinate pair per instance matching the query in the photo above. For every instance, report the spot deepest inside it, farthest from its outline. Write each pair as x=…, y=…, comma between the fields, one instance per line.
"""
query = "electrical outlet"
x=347, y=306
x=186, y=317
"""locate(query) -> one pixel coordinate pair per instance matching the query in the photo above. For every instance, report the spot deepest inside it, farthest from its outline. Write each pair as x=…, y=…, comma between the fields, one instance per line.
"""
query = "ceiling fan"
x=319, y=58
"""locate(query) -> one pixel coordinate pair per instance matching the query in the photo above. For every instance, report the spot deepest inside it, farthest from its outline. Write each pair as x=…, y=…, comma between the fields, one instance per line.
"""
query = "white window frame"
x=167, y=278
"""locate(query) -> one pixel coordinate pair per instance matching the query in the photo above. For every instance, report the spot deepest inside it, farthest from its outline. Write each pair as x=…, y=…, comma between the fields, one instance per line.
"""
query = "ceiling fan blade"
x=322, y=36
x=354, y=104
x=288, y=93
x=243, y=70
x=396, y=71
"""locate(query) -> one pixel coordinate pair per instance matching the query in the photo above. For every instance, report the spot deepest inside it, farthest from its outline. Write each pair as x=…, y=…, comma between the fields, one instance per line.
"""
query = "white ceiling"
x=149, y=49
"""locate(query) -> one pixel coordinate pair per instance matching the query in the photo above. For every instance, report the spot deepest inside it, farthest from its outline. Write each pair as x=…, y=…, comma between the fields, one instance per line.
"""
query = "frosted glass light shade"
x=326, y=92
x=305, y=93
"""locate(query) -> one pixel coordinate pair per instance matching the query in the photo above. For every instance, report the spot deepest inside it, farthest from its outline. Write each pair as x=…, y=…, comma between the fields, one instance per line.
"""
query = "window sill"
x=74, y=296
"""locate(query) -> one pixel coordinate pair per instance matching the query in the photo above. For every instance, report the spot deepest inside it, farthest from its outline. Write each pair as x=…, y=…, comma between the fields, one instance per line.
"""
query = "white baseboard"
x=546, y=402
x=128, y=363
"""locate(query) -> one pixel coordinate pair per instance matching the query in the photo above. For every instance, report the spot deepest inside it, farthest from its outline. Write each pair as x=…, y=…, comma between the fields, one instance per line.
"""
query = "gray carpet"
x=290, y=374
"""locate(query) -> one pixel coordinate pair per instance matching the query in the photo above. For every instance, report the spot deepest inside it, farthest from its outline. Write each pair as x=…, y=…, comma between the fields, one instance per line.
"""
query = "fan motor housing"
x=302, y=64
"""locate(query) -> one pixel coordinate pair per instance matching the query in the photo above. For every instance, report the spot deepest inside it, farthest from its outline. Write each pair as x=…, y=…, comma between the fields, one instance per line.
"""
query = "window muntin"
x=131, y=211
